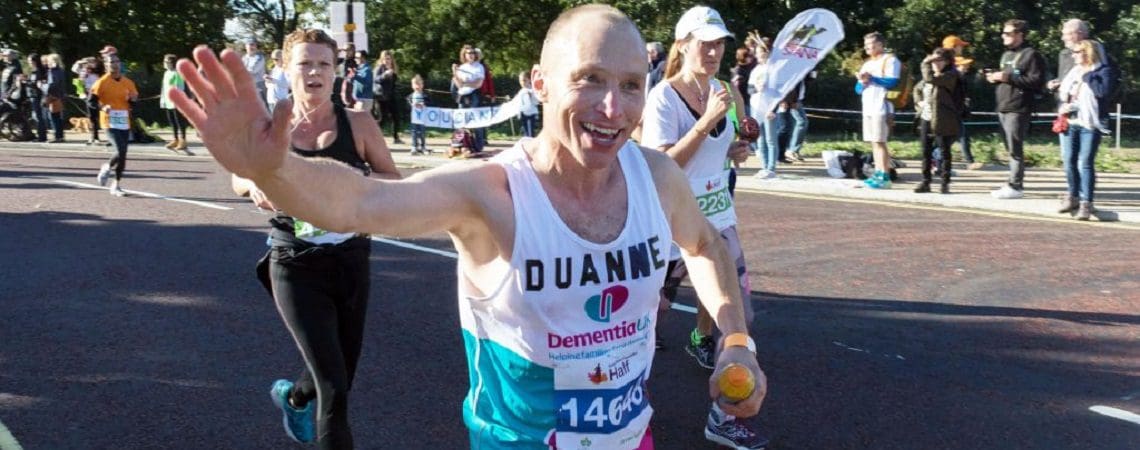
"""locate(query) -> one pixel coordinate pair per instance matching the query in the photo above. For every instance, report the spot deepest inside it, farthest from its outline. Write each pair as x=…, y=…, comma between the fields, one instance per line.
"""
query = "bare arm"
x=712, y=273
x=372, y=146
x=245, y=140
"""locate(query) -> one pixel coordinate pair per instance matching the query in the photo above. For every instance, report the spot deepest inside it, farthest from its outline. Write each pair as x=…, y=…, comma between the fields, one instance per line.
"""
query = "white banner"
x=338, y=19
x=802, y=44
x=433, y=117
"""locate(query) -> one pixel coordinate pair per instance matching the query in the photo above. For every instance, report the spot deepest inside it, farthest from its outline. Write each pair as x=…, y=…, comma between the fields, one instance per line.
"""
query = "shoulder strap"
x=731, y=114
x=886, y=59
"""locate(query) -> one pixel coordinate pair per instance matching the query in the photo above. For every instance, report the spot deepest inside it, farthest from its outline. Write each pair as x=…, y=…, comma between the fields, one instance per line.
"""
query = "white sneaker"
x=104, y=174
x=764, y=174
x=116, y=190
x=1007, y=193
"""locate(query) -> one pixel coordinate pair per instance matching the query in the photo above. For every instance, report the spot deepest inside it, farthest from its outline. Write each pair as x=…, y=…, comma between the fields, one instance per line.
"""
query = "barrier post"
x=1118, y=118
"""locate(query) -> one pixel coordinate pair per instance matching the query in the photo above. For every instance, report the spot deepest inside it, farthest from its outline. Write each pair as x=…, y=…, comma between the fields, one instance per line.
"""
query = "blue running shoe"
x=298, y=422
x=879, y=180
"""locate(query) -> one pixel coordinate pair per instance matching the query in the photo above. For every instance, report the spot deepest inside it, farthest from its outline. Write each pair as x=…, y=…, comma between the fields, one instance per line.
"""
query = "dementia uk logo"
x=601, y=307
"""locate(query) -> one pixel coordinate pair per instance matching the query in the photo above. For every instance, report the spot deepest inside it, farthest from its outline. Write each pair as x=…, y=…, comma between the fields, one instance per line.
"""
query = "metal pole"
x=1118, y=126
x=348, y=19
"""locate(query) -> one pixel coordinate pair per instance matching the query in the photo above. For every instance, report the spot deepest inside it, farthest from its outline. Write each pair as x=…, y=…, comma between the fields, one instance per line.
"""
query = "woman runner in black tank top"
x=319, y=279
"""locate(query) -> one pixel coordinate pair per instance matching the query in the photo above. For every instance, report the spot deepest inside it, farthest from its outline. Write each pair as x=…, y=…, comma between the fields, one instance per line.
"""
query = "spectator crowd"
x=34, y=90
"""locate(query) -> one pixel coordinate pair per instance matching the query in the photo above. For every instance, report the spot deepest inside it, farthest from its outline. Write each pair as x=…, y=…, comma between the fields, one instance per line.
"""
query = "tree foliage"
x=426, y=35
x=142, y=30
x=268, y=21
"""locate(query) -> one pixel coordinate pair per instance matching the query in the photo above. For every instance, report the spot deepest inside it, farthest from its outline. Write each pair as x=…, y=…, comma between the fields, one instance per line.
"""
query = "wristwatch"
x=740, y=340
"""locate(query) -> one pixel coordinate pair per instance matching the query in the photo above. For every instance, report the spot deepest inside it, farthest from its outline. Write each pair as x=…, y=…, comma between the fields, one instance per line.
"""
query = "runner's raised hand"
x=229, y=115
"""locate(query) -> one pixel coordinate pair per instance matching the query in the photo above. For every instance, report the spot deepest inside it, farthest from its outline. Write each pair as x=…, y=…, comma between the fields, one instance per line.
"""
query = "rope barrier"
x=978, y=113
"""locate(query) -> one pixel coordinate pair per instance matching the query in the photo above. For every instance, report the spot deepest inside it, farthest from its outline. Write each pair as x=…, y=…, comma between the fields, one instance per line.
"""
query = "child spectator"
x=528, y=110
x=418, y=100
x=939, y=114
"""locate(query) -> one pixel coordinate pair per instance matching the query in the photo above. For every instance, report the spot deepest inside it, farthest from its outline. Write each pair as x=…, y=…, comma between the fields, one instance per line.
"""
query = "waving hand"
x=229, y=115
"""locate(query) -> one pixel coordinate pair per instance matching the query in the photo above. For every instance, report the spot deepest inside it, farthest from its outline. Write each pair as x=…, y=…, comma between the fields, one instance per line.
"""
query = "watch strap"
x=740, y=340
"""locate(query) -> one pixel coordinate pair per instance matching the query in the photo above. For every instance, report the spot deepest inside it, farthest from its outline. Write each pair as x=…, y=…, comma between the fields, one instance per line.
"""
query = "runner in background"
x=319, y=278
x=114, y=93
x=686, y=117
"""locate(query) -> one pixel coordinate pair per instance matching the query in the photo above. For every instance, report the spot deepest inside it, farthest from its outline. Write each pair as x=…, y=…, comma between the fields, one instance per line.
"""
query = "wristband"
x=740, y=340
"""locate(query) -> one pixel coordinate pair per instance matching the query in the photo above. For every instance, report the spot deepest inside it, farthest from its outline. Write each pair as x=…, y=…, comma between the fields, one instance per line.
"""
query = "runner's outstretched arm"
x=712, y=273
x=242, y=136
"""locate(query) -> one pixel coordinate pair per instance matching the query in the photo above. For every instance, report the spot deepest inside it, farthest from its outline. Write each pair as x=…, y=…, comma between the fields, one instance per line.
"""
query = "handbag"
x=1061, y=124
x=53, y=103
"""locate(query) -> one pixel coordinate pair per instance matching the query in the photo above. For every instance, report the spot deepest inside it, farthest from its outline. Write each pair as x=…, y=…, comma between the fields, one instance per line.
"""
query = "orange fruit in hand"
x=736, y=383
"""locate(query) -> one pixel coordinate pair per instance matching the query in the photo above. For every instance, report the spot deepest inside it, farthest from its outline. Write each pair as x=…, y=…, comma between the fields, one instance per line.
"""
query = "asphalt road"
x=137, y=323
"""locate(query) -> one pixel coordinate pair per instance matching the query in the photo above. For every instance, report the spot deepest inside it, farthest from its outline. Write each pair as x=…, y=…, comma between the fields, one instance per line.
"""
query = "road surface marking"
x=1116, y=413
x=402, y=244
x=147, y=194
x=392, y=242
x=7, y=441
x=685, y=308
x=854, y=349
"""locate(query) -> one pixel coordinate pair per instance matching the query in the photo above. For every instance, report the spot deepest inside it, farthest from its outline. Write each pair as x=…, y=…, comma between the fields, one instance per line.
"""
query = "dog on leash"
x=80, y=124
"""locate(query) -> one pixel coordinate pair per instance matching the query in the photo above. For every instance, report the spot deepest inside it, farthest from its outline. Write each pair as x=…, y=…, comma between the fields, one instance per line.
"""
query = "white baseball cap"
x=703, y=23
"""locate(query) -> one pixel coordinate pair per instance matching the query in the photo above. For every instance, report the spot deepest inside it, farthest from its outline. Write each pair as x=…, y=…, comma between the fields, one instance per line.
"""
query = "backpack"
x=900, y=94
x=1119, y=84
x=488, y=87
x=462, y=143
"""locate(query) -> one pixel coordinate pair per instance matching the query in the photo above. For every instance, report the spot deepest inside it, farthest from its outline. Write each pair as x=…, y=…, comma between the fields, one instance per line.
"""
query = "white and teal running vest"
x=562, y=349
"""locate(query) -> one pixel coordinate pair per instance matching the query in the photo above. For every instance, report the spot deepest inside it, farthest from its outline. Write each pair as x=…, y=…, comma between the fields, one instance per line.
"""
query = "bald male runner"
x=563, y=240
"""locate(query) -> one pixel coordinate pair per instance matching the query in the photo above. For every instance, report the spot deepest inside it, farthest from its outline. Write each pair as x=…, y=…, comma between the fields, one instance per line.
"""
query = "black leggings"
x=321, y=293
x=929, y=141
x=390, y=111
x=118, y=162
x=173, y=116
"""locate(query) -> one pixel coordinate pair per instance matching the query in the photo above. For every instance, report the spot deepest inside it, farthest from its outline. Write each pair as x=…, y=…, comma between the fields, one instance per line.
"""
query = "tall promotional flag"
x=802, y=44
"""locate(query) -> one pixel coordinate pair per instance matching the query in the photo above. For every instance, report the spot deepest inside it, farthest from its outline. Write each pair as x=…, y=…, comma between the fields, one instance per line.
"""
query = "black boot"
x=923, y=187
x=945, y=163
x=1068, y=204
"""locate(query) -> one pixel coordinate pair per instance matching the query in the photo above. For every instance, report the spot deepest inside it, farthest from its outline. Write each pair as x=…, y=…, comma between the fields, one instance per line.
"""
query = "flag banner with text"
x=481, y=117
x=802, y=44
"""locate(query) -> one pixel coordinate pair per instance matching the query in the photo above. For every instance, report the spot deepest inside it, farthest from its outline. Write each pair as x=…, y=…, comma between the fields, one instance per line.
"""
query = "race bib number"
x=602, y=402
x=119, y=119
x=304, y=229
x=715, y=202
x=601, y=410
